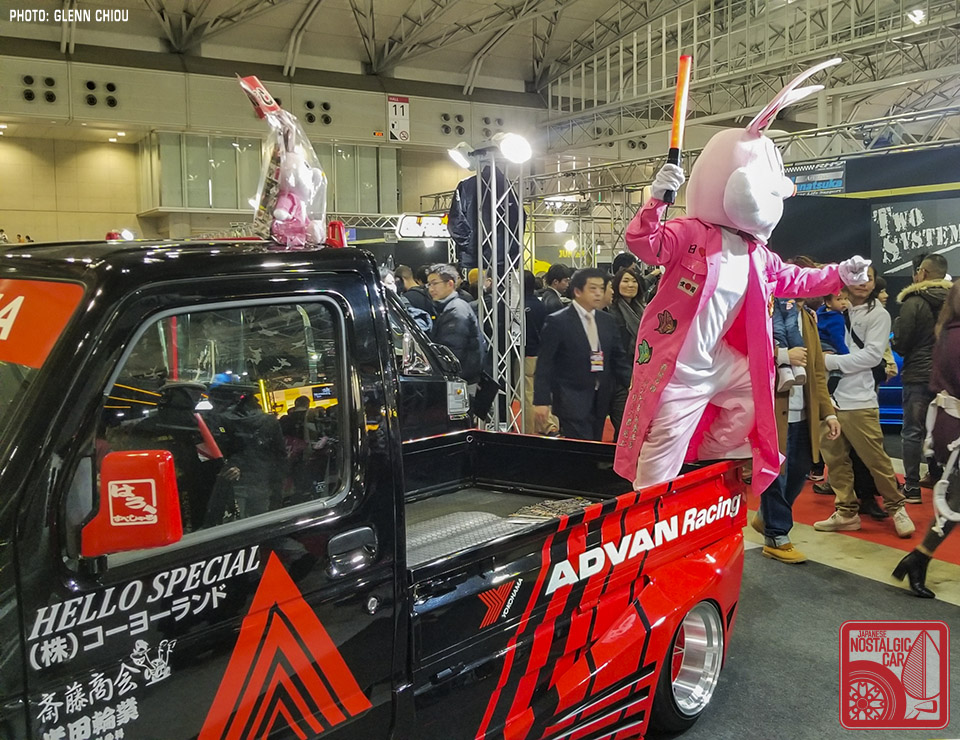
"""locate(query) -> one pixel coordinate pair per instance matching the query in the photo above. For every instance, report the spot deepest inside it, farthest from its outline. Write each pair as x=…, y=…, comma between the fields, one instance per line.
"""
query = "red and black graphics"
x=285, y=671
x=583, y=661
x=496, y=600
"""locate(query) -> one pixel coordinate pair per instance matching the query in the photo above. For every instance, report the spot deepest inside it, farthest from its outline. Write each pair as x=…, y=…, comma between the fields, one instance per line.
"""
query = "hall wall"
x=55, y=189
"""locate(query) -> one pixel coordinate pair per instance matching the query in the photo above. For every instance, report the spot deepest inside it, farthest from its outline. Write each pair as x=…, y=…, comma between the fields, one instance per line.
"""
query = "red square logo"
x=894, y=675
x=132, y=502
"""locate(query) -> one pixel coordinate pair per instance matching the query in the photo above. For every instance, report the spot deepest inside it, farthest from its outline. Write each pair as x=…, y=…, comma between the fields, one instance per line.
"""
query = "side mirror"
x=139, y=504
x=414, y=360
x=448, y=361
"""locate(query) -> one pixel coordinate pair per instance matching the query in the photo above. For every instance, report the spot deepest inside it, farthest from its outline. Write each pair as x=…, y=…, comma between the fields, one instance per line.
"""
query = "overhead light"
x=112, y=139
x=570, y=245
x=461, y=155
x=513, y=146
x=121, y=133
x=560, y=226
x=83, y=124
x=3, y=125
x=917, y=16
x=126, y=234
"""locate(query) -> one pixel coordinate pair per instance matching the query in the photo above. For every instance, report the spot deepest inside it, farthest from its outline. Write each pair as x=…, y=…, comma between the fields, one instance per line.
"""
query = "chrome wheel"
x=696, y=658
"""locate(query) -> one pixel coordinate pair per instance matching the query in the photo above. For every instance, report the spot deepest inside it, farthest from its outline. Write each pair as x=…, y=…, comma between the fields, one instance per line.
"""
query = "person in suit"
x=581, y=362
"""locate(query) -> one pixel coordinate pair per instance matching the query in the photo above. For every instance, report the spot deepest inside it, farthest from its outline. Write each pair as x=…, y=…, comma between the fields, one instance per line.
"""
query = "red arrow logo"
x=284, y=667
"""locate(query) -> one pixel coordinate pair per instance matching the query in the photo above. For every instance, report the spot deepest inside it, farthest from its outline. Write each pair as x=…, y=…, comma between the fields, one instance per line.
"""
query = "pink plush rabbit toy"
x=703, y=380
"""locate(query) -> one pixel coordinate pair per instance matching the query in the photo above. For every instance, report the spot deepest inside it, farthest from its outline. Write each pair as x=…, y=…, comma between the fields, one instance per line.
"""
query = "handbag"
x=880, y=370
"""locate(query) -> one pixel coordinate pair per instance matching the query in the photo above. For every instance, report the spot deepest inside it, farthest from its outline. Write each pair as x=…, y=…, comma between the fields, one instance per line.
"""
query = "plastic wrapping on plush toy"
x=291, y=200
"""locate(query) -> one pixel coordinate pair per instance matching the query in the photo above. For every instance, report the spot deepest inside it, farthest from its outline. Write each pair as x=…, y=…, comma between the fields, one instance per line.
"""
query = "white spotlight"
x=460, y=155
x=917, y=16
x=570, y=245
x=126, y=234
x=560, y=226
x=514, y=147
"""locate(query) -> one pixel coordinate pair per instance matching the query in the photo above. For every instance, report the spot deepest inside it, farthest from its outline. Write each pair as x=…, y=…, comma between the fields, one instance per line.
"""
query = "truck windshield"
x=33, y=314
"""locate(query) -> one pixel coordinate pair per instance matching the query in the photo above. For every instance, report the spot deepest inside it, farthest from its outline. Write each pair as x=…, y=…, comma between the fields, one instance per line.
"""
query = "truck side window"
x=250, y=401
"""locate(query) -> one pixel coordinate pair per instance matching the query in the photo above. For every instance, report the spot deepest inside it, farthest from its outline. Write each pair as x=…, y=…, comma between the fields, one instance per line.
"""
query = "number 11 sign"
x=398, y=116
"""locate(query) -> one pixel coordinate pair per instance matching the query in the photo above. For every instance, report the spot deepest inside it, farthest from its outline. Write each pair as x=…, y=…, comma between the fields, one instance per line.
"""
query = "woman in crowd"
x=944, y=380
x=627, y=306
x=626, y=309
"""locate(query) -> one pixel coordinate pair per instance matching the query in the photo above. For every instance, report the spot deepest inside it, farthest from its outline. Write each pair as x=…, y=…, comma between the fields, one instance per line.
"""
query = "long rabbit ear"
x=788, y=96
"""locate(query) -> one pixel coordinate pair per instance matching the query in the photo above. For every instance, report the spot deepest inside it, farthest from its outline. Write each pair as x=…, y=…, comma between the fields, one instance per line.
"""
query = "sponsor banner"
x=818, y=178
x=900, y=231
x=417, y=226
x=33, y=313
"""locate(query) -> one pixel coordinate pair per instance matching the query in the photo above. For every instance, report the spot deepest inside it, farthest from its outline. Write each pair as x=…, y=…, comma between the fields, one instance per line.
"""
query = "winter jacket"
x=857, y=388
x=552, y=300
x=456, y=327
x=913, y=335
x=462, y=221
x=832, y=330
x=946, y=377
x=419, y=297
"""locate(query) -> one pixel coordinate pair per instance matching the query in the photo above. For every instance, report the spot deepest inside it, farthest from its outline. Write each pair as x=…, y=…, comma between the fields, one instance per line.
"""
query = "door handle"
x=352, y=551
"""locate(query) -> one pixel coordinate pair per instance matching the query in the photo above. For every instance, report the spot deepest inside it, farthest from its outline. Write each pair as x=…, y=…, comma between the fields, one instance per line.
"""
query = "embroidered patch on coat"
x=644, y=352
x=688, y=286
x=668, y=324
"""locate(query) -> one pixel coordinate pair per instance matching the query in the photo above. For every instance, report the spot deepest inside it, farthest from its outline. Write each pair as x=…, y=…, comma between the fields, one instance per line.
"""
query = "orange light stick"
x=679, y=117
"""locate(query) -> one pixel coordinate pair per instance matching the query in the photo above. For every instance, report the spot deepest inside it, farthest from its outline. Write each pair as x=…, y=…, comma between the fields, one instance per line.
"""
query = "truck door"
x=274, y=615
x=433, y=400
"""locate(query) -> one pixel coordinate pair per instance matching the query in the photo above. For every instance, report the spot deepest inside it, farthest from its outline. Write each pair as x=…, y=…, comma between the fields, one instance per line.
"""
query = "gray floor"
x=781, y=680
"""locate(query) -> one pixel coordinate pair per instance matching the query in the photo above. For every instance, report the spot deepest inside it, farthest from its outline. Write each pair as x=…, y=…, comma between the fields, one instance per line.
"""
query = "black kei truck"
x=213, y=524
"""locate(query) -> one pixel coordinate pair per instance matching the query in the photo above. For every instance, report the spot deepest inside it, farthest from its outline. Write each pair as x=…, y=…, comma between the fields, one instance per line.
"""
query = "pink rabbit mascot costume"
x=703, y=380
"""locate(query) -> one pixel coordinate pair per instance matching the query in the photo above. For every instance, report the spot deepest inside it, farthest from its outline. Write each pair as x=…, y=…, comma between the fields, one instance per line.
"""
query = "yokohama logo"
x=498, y=601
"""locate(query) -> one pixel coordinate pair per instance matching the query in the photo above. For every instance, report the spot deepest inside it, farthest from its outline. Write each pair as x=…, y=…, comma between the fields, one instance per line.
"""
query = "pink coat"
x=690, y=251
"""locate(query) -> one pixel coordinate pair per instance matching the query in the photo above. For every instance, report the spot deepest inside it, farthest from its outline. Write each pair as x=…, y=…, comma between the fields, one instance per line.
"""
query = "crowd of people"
x=20, y=238
x=832, y=353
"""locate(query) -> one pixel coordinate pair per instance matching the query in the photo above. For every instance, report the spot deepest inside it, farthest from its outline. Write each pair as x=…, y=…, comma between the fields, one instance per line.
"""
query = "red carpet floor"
x=812, y=507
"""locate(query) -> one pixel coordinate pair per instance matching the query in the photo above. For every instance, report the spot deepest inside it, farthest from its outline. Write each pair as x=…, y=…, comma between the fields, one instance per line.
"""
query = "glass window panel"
x=389, y=195
x=171, y=170
x=248, y=170
x=198, y=171
x=367, y=171
x=325, y=155
x=345, y=189
x=223, y=167
x=235, y=376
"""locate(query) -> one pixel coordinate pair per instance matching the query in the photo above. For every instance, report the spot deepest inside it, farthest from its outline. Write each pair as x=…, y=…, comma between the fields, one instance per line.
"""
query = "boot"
x=914, y=566
x=868, y=507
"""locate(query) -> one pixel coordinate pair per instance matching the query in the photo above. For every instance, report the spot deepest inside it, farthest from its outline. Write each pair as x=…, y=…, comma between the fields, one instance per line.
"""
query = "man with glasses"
x=456, y=324
x=913, y=337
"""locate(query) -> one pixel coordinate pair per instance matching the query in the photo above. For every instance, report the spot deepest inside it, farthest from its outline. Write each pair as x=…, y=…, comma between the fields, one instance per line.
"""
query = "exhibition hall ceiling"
x=603, y=69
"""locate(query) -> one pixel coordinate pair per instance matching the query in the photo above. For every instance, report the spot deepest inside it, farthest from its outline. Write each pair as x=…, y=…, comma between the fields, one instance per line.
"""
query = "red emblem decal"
x=495, y=599
x=284, y=665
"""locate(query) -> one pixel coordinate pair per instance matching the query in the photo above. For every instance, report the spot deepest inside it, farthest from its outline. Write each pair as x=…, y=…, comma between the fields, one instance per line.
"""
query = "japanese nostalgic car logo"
x=894, y=675
x=133, y=502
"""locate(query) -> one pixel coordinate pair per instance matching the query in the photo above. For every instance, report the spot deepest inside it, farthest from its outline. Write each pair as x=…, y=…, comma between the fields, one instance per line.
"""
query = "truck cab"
x=217, y=524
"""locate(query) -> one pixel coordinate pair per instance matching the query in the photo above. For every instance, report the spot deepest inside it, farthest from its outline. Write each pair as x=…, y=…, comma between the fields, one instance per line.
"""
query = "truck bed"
x=441, y=526
x=463, y=490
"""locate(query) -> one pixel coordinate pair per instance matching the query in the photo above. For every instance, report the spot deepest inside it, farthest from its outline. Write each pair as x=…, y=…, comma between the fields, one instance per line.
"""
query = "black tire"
x=690, y=670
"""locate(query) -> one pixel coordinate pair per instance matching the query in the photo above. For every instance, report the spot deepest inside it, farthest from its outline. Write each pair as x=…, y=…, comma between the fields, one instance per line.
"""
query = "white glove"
x=670, y=177
x=854, y=271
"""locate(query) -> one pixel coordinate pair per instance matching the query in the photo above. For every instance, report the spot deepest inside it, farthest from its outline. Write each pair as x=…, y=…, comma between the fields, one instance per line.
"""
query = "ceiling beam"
x=502, y=17
x=411, y=27
x=363, y=14
x=296, y=37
